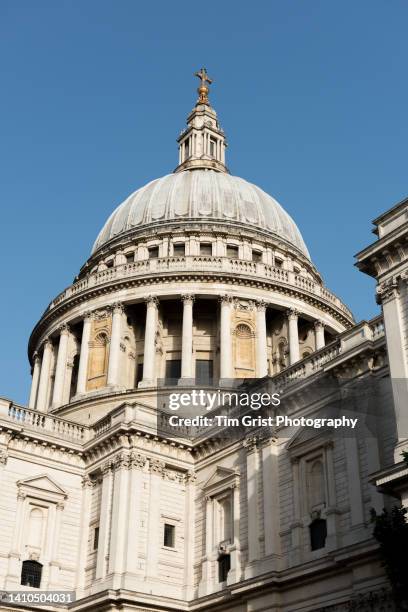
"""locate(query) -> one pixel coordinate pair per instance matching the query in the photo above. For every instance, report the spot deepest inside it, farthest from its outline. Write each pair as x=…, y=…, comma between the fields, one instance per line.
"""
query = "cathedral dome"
x=202, y=195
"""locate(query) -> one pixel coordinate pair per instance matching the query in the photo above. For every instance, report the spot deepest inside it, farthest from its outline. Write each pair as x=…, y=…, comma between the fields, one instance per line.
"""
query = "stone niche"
x=99, y=350
x=244, y=339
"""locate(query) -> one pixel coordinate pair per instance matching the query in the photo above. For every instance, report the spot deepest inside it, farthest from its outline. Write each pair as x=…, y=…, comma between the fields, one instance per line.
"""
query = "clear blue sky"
x=312, y=95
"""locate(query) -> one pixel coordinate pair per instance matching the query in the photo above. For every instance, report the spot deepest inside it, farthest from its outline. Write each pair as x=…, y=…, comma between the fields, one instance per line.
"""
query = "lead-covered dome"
x=203, y=195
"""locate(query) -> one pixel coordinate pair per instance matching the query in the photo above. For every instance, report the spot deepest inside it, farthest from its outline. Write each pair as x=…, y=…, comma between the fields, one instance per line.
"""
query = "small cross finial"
x=203, y=88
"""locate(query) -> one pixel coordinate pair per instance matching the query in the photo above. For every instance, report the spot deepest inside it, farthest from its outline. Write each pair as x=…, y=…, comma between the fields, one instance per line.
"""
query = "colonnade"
x=40, y=392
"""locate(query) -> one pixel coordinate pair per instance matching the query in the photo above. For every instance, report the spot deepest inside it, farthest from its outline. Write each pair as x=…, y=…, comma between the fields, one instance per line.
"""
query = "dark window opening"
x=318, y=534
x=204, y=371
x=153, y=252
x=96, y=538
x=74, y=377
x=130, y=258
x=205, y=248
x=110, y=263
x=213, y=147
x=232, y=251
x=179, y=249
x=169, y=538
x=256, y=256
x=224, y=566
x=139, y=373
x=31, y=574
x=173, y=371
x=278, y=262
x=186, y=149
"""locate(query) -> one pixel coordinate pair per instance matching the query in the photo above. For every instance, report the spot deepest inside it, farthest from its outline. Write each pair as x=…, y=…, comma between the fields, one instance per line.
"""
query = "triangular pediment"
x=42, y=483
x=221, y=478
x=303, y=435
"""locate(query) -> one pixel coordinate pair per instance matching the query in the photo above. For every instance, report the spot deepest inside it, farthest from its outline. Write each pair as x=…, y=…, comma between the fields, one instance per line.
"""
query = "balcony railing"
x=198, y=263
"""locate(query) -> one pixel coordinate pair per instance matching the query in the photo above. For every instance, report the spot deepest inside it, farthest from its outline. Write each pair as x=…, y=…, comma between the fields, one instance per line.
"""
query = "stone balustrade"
x=33, y=419
x=197, y=263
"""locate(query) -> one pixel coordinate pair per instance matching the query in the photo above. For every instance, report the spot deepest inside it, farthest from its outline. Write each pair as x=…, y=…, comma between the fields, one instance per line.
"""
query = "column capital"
x=187, y=297
x=47, y=342
x=88, y=314
x=261, y=305
x=151, y=300
x=225, y=299
x=117, y=307
x=387, y=291
x=64, y=329
x=36, y=357
x=318, y=324
x=292, y=313
x=87, y=482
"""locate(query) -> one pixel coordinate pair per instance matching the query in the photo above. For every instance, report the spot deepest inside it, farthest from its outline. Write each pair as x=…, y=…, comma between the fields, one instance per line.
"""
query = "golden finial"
x=203, y=89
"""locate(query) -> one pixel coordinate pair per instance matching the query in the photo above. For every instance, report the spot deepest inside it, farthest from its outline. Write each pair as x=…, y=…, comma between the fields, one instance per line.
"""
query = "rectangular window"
x=256, y=256
x=224, y=566
x=169, y=536
x=205, y=248
x=187, y=149
x=130, y=257
x=139, y=373
x=153, y=252
x=110, y=263
x=179, y=249
x=204, y=371
x=232, y=251
x=96, y=538
x=213, y=147
x=278, y=262
x=173, y=370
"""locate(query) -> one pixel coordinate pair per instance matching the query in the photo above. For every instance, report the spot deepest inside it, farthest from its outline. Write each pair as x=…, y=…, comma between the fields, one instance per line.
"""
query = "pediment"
x=41, y=485
x=307, y=439
x=222, y=478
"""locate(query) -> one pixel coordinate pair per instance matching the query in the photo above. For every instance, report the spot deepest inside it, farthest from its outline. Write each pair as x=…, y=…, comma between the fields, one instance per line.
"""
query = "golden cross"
x=203, y=87
x=202, y=74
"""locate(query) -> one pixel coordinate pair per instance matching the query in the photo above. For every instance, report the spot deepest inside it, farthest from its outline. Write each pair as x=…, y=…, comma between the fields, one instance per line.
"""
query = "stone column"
x=252, y=496
x=293, y=316
x=270, y=479
x=87, y=486
x=187, y=338
x=114, y=348
x=389, y=296
x=156, y=469
x=261, y=345
x=319, y=334
x=120, y=508
x=84, y=354
x=225, y=339
x=134, y=550
x=35, y=380
x=61, y=366
x=150, y=342
x=204, y=587
x=44, y=376
x=105, y=521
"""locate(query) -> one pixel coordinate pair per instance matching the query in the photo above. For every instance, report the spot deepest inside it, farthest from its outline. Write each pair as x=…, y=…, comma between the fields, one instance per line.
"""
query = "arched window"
x=318, y=534
x=31, y=574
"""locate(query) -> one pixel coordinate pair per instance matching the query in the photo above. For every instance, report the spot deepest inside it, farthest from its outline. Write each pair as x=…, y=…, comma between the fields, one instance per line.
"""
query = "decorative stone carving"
x=137, y=461
x=386, y=291
x=157, y=467
x=3, y=457
x=87, y=482
x=292, y=313
x=151, y=300
x=187, y=297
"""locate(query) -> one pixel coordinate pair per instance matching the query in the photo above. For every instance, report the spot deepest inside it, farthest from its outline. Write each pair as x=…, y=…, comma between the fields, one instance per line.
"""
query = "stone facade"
x=104, y=503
